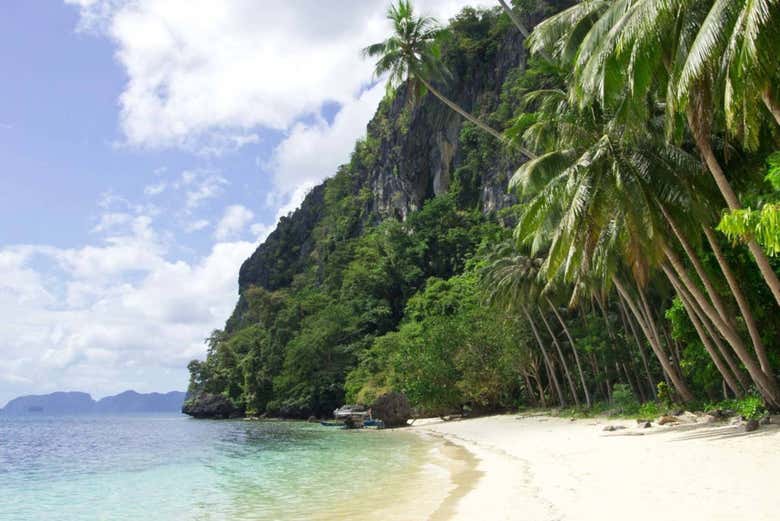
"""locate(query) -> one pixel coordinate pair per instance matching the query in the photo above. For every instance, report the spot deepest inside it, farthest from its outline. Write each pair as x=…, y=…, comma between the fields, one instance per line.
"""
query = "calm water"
x=174, y=468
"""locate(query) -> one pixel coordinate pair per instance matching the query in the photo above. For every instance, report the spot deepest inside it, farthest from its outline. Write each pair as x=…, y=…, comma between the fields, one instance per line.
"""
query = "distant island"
x=82, y=403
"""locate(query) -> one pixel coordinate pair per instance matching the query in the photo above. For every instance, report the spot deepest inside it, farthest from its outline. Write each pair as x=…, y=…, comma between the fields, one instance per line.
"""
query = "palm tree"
x=738, y=42
x=602, y=198
x=412, y=55
x=520, y=26
x=706, y=51
x=510, y=280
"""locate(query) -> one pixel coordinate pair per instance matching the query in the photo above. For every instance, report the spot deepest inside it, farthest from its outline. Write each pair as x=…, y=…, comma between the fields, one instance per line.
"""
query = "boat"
x=353, y=417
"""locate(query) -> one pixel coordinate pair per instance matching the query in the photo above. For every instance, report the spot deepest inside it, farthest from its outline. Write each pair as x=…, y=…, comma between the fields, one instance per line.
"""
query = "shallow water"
x=170, y=467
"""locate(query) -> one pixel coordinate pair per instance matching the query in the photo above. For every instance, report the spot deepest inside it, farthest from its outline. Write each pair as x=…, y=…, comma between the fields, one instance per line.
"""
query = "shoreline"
x=541, y=468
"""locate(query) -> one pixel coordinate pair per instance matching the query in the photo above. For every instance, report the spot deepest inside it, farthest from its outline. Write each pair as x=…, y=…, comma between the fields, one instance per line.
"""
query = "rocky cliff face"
x=417, y=150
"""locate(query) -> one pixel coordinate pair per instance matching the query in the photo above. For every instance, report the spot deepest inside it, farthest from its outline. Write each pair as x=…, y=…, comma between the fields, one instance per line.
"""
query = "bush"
x=623, y=399
x=750, y=407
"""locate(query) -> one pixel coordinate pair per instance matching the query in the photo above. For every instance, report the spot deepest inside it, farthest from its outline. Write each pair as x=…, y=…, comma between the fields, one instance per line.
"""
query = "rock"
x=663, y=420
x=736, y=420
x=710, y=418
x=392, y=408
x=751, y=425
x=678, y=412
x=647, y=425
x=688, y=417
x=610, y=428
x=207, y=405
x=720, y=414
x=640, y=421
x=766, y=420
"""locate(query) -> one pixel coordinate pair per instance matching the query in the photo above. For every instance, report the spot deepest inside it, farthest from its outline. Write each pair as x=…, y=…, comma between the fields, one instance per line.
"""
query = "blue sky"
x=146, y=148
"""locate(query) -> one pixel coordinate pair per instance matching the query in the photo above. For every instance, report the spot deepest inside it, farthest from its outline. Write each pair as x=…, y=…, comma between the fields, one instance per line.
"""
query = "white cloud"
x=233, y=222
x=111, y=220
x=200, y=186
x=155, y=189
x=312, y=152
x=208, y=73
x=196, y=226
x=261, y=231
x=129, y=314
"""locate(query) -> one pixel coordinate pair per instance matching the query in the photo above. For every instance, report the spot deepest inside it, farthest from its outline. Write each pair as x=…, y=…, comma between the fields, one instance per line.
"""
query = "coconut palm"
x=510, y=280
x=704, y=51
x=608, y=195
x=520, y=25
x=412, y=56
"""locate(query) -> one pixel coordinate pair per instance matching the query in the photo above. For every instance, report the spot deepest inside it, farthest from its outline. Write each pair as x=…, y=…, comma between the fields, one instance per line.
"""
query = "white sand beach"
x=545, y=468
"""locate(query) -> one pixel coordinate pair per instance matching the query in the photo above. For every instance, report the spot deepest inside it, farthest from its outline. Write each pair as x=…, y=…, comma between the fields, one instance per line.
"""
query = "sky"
x=147, y=147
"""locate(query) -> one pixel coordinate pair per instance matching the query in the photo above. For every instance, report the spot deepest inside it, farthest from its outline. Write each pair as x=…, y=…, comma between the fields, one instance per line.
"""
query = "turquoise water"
x=170, y=467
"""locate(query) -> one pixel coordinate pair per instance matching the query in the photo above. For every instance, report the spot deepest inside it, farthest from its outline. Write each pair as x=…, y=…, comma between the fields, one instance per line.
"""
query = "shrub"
x=623, y=399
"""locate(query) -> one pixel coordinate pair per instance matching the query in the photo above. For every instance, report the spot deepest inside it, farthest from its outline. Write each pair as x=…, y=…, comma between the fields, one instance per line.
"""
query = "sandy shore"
x=543, y=468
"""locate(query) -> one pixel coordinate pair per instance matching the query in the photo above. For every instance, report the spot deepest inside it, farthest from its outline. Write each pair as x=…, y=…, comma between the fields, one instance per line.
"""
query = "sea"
x=171, y=467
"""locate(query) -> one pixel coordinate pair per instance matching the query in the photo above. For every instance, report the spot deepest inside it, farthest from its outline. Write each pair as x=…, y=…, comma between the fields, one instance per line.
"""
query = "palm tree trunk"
x=724, y=351
x=516, y=20
x=540, y=388
x=697, y=266
x=546, y=357
x=770, y=277
x=679, y=384
x=742, y=301
x=719, y=364
x=565, y=366
x=574, y=350
x=766, y=383
x=529, y=389
x=484, y=126
x=769, y=101
x=627, y=319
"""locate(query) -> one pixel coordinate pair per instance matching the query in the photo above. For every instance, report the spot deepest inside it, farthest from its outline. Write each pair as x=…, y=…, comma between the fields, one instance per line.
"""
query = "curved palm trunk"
x=724, y=370
x=678, y=383
x=546, y=357
x=697, y=266
x=766, y=383
x=567, y=374
x=770, y=101
x=515, y=20
x=724, y=351
x=742, y=301
x=703, y=144
x=627, y=319
x=574, y=350
x=484, y=126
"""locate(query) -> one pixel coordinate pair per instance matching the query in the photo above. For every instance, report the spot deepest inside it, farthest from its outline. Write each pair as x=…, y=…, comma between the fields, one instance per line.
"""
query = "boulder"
x=207, y=405
x=751, y=425
x=647, y=425
x=392, y=408
x=663, y=420
x=688, y=417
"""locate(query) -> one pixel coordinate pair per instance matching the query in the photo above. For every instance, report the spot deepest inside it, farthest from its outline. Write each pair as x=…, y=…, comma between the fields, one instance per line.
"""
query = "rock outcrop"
x=207, y=405
x=392, y=408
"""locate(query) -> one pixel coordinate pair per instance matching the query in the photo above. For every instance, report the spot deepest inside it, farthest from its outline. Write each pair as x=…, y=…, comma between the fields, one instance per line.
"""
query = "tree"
x=412, y=56
x=703, y=51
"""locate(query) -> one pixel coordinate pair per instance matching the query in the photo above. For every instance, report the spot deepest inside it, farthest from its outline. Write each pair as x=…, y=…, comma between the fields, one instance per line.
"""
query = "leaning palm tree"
x=698, y=52
x=510, y=281
x=412, y=56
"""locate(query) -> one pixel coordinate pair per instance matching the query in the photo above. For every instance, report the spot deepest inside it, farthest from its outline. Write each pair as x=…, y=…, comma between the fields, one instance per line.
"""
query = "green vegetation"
x=617, y=271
